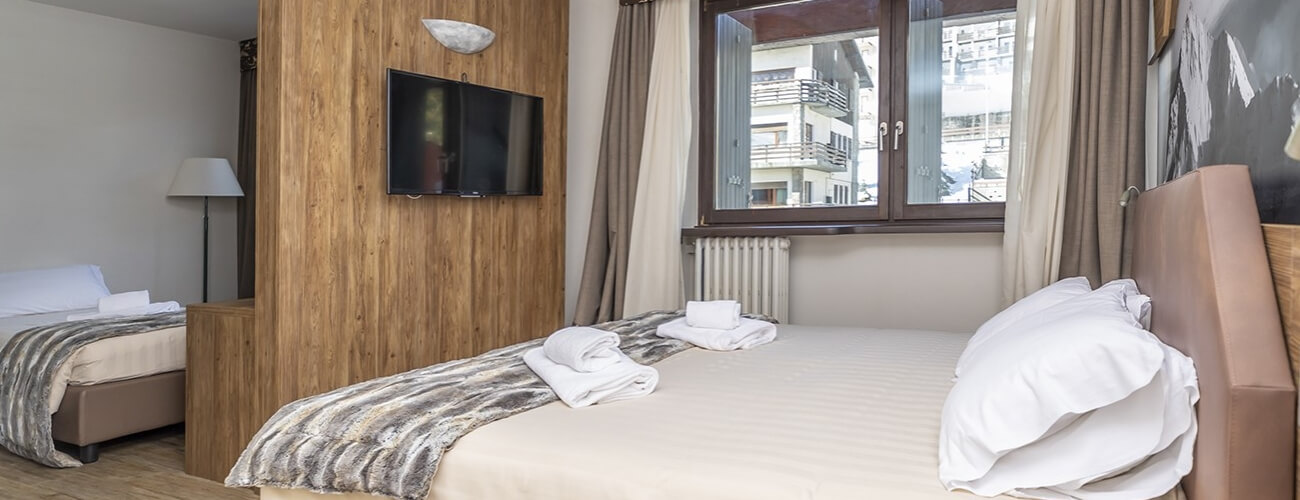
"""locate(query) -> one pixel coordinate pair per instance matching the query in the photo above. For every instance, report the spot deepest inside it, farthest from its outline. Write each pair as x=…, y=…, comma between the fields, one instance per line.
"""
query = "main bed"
x=840, y=413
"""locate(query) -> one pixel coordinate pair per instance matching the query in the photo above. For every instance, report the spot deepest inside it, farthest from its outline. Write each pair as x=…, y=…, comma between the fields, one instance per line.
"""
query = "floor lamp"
x=205, y=177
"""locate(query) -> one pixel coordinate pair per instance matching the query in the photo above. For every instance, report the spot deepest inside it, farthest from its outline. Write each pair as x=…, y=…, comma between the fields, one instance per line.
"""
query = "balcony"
x=814, y=155
x=822, y=96
x=985, y=34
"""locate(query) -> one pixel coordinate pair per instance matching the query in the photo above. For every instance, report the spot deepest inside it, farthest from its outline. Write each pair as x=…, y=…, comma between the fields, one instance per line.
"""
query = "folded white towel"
x=717, y=314
x=583, y=348
x=157, y=308
x=120, y=301
x=750, y=333
x=625, y=379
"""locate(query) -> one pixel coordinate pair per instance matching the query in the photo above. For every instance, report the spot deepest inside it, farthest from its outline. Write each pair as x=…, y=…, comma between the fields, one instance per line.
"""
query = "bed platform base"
x=92, y=414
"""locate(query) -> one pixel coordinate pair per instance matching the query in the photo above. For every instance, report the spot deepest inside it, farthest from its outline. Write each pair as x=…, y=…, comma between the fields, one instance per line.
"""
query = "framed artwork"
x=1163, y=13
x=1233, y=96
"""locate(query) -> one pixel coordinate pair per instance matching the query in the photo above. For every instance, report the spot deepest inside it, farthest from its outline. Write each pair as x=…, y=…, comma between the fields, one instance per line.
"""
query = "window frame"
x=891, y=208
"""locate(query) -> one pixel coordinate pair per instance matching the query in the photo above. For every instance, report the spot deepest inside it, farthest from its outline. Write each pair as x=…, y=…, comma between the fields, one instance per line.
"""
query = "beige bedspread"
x=110, y=360
x=821, y=414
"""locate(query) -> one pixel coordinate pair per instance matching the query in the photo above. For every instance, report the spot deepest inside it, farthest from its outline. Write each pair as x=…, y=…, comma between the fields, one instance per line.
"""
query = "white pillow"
x=1142, y=443
x=1164, y=469
x=1047, y=297
x=51, y=290
x=1138, y=304
x=1038, y=375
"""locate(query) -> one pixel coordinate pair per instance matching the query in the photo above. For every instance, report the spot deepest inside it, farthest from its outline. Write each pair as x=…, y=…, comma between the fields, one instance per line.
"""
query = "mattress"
x=820, y=414
x=109, y=360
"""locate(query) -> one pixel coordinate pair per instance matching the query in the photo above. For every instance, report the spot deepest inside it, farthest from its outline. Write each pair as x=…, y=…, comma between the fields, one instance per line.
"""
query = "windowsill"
x=883, y=227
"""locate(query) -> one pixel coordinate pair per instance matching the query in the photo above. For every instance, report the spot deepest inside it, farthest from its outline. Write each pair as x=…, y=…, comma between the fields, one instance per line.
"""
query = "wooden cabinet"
x=221, y=389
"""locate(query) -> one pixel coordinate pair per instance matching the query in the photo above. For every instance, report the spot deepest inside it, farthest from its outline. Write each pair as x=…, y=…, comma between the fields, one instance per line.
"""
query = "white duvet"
x=819, y=414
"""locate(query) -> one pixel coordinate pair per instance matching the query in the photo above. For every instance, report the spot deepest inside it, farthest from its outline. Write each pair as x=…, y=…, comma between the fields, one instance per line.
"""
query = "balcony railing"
x=813, y=155
x=983, y=34
x=832, y=100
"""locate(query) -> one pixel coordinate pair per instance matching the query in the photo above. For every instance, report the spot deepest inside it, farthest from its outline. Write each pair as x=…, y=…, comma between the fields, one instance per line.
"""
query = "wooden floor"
x=145, y=466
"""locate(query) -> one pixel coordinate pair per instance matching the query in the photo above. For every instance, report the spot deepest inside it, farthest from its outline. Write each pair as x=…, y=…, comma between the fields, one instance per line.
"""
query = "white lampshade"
x=205, y=177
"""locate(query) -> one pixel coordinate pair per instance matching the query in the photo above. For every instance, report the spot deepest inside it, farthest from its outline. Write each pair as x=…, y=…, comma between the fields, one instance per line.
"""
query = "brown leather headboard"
x=1200, y=255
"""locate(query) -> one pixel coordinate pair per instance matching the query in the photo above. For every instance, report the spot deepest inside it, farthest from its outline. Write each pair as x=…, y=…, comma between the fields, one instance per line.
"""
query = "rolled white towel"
x=717, y=314
x=583, y=348
x=751, y=333
x=156, y=308
x=625, y=379
x=120, y=301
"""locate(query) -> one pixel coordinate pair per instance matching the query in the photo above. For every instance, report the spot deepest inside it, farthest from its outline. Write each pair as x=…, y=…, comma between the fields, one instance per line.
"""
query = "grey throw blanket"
x=28, y=364
x=386, y=436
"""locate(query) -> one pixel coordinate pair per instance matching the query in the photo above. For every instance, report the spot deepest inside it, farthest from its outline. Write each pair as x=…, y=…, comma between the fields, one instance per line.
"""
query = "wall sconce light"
x=462, y=37
x=1127, y=198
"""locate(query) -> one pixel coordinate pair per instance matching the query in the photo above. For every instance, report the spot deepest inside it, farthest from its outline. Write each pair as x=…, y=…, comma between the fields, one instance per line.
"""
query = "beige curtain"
x=1042, y=118
x=654, y=275
x=604, y=273
x=1108, y=153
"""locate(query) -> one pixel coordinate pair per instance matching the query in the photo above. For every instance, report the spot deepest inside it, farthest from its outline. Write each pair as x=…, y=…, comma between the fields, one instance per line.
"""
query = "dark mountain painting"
x=1234, y=96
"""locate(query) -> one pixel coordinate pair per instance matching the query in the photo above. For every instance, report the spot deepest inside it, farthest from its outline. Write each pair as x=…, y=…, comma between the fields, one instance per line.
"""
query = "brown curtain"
x=604, y=273
x=1108, y=149
x=246, y=171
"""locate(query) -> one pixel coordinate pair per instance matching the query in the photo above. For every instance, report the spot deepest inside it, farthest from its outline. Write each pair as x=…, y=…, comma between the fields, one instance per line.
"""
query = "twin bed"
x=113, y=387
x=840, y=413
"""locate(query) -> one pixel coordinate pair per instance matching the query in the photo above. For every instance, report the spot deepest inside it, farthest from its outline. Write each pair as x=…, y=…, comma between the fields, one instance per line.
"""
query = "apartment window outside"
x=866, y=111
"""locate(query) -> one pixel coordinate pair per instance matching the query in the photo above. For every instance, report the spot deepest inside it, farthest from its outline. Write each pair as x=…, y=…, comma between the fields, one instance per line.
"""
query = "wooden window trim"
x=881, y=227
x=891, y=210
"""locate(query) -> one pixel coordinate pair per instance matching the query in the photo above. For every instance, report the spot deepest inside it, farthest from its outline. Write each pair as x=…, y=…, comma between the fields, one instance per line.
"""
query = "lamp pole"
x=205, y=249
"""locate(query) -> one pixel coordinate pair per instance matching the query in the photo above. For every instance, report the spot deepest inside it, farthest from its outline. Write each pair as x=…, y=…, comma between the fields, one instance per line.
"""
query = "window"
x=763, y=196
x=768, y=135
x=855, y=111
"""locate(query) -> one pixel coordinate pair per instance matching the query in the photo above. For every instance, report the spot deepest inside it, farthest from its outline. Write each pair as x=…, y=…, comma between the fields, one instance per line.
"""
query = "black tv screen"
x=454, y=138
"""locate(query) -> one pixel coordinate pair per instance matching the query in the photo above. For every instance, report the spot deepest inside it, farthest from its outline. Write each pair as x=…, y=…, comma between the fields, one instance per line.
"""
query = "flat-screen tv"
x=453, y=138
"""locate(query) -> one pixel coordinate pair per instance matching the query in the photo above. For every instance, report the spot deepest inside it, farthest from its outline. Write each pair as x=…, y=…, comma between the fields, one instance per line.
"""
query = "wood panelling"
x=220, y=408
x=1283, y=244
x=353, y=283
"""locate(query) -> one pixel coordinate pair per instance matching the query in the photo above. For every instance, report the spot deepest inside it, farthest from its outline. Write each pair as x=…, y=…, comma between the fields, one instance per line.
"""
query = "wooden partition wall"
x=352, y=283
x=1283, y=242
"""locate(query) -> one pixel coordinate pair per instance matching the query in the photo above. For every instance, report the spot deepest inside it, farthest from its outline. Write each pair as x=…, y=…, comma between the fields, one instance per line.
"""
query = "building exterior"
x=978, y=58
x=804, y=124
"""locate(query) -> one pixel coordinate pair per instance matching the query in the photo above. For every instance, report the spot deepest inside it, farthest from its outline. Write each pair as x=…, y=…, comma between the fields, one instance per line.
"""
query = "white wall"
x=940, y=282
x=946, y=282
x=96, y=114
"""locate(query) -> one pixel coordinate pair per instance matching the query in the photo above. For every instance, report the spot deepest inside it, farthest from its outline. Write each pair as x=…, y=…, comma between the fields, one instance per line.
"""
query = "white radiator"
x=754, y=271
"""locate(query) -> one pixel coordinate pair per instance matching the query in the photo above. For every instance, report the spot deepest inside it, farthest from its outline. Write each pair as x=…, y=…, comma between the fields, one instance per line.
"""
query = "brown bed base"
x=92, y=414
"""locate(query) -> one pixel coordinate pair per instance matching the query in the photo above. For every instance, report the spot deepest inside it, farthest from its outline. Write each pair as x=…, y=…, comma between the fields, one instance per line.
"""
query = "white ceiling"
x=228, y=19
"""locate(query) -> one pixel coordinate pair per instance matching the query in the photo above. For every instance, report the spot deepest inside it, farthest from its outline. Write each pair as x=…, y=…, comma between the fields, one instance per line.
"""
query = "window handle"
x=884, y=133
x=898, y=133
